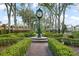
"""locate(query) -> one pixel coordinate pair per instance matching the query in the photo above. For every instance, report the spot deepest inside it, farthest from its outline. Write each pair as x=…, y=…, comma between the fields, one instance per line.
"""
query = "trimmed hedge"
x=11, y=38
x=4, y=41
x=29, y=34
x=17, y=49
x=75, y=34
x=69, y=41
x=73, y=42
x=12, y=35
x=59, y=49
x=24, y=34
x=51, y=34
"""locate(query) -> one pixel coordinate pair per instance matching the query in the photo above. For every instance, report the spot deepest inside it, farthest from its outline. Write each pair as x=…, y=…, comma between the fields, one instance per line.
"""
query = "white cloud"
x=2, y=6
x=72, y=20
x=4, y=20
x=66, y=15
x=74, y=17
x=77, y=6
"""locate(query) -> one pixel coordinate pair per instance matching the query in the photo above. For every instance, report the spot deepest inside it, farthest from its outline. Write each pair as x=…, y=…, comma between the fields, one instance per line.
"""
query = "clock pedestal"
x=39, y=38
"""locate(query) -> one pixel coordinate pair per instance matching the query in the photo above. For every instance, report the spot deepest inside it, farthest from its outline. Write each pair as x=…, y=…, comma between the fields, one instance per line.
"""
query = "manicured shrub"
x=75, y=42
x=68, y=36
x=19, y=34
x=4, y=41
x=17, y=49
x=5, y=35
x=29, y=34
x=51, y=34
x=59, y=49
x=13, y=35
x=69, y=41
x=76, y=34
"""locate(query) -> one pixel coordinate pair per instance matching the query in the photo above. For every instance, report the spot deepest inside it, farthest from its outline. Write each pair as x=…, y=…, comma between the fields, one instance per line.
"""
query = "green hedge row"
x=9, y=40
x=75, y=34
x=17, y=49
x=13, y=35
x=69, y=41
x=24, y=34
x=59, y=49
x=51, y=34
x=29, y=34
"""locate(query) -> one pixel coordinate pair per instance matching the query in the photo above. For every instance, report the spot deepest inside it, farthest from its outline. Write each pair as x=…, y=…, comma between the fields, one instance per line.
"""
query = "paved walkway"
x=39, y=49
x=76, y=49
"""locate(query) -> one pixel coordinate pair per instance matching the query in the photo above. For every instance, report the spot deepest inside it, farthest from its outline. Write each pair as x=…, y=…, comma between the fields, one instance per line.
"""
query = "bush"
x=5, y=35
x=69, y=41
x=4, y=41
x=76, y=34
x=17, y=49
x=59, y=49
x=68, y=36
x=29, y=34
x=13, y=35
x=18, y=35
x=51, y=34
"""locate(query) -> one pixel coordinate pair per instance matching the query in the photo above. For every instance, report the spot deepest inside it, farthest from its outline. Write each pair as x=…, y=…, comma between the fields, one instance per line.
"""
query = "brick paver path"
x=39, y=49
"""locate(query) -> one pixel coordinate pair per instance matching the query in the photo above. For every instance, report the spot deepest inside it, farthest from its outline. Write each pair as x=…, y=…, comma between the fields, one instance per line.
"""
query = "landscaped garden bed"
x=59, y=49
x=7, y=40
x=18, y=49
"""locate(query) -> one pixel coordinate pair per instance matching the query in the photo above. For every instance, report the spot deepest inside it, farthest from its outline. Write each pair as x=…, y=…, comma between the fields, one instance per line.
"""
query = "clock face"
x=39, y=14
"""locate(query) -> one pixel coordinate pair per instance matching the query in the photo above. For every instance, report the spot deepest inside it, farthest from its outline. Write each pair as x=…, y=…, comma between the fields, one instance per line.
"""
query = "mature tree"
x=50, y=7
x=9, y=9
x=26, y=14
x=64, y=7
x=14, y=13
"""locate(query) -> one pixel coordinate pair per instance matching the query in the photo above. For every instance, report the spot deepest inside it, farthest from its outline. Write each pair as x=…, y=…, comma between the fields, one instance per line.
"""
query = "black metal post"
x=39, y=30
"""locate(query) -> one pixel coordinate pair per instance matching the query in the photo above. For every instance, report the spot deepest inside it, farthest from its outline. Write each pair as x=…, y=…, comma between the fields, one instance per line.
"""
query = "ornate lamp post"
x=39, y=14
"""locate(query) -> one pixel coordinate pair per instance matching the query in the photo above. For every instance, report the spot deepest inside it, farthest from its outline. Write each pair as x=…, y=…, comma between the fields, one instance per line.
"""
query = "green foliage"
x=4, y=41
x=69, y=41
x=29, y=34
x=8, y=39
x=59, y=49
x=26, y=14
x=51, y=34
x=11, y=38
x=70, y=36
x=17, y=49
x=18, y=35
x=25, y=34
x=76, y=34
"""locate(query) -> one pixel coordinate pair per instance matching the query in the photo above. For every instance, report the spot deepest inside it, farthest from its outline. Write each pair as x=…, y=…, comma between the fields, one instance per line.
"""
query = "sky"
x=71, y=16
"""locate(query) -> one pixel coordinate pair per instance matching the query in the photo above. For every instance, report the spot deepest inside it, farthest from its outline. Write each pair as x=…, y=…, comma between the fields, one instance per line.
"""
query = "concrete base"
x=41, y=39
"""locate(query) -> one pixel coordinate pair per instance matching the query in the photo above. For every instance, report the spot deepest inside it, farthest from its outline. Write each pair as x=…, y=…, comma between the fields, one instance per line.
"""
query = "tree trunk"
x=15, y=23
x=63, y=21
x=9, y=14
x=56, y=19
x=59, y=19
